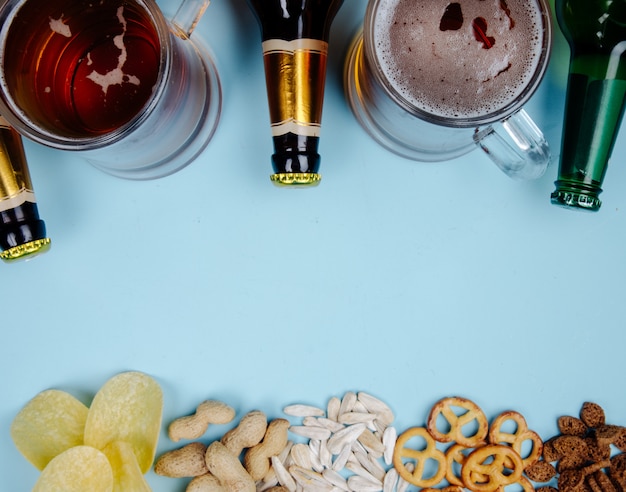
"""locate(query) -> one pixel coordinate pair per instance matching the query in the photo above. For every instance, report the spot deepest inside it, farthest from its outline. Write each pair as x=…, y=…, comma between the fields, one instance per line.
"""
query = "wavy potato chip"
x=49, y=424
x=79, y=469
x=127, y=476
x=127, y=408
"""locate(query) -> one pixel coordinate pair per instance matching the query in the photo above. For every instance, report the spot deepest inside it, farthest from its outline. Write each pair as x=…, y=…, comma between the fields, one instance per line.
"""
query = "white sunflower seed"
x=357, y=469
x=283, y=476
x=331, y=425
x=301, y=455
x=390, y=481
x=377, y=406
x=345, y=436
x=342, y=458
x=326, y=457
x=317, y=433
x=300, y=410
x=390, y=436
x=347, y=402
x=336, y=479
x=372, y=443
x=332, y=409
x=371, y=465
x=350, y=418
x=310, y=479
x=356, y=482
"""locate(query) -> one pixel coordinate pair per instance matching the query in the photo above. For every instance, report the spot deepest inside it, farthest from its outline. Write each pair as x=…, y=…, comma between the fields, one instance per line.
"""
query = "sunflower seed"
x=356, y=468
x=311, y=432
x=390, y=481
x=372, y=443
x=332, y=409
x=303, y=411
x=345, y=436
x=283, y=476
x=326, y=457
x=347, y=402
x=310, y=479
x=342, y=458
x=350, y=418
x=371, y=464
x=301, y=455
x=390, y=436
x=377, y=406
x=336, y=479
x=331, y=425
x=361, y=484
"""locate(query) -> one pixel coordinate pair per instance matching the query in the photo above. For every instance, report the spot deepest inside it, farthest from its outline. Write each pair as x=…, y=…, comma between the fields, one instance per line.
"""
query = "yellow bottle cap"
x=26, y=251
x=296, y=179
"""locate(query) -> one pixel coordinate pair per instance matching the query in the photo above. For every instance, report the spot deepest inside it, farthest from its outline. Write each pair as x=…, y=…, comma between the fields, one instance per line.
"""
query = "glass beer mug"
x=112, y=79
x=433, y=79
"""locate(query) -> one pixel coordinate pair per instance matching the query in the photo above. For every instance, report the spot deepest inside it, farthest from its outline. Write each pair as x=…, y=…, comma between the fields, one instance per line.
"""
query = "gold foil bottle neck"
x=296, y=179
x=26, y=251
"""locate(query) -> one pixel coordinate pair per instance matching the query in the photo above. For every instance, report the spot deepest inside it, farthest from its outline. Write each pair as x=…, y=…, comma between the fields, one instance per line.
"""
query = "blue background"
x=408, y=280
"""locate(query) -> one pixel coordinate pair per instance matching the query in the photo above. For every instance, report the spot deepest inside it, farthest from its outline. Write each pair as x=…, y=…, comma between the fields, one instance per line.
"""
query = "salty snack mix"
x=107, y=447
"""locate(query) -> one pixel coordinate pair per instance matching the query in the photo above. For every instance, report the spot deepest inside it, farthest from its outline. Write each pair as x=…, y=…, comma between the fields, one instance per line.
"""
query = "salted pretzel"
x=491, y=467
x=402, y=454
x=517, y=438
x=473, y=415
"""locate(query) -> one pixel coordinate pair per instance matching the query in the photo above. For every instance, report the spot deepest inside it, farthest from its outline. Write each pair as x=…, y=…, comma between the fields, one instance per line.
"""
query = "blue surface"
x=411, y=281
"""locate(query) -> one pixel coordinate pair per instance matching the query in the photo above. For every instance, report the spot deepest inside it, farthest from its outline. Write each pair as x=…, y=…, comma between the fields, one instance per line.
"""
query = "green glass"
x=596, y=92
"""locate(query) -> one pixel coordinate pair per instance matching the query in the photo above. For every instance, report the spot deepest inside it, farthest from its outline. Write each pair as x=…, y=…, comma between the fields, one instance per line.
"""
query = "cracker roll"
x=295, y=48
x=22, y=232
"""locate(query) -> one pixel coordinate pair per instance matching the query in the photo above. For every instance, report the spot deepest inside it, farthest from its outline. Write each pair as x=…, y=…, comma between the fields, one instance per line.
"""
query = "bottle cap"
x=26, y=250
x=577, y=196
x=296, y=179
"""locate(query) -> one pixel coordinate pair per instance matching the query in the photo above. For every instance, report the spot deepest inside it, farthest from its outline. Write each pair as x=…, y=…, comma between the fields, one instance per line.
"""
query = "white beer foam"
x=450, y=73
x=117, y=75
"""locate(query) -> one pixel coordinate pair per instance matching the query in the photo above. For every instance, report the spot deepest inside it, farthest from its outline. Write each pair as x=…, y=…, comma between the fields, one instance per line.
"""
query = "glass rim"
x=18, y=118
x=459, y=122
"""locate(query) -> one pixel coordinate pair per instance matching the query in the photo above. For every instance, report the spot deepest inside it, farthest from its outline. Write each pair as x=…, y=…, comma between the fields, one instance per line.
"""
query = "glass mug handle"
x=188, y=15
x=520, y=151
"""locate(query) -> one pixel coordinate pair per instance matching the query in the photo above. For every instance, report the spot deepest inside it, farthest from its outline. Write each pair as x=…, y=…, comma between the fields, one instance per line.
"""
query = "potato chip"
x=127, y=408
x=51, y=423
x=79, y=469
x=127, y=476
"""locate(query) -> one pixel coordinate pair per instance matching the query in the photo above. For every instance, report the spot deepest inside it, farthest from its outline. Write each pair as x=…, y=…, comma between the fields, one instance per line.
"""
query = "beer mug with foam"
x=112, y=79
x=433, y=79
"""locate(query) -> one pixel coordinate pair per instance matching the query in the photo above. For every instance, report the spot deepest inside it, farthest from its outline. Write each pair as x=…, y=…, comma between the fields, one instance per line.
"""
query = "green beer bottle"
x=596, y=91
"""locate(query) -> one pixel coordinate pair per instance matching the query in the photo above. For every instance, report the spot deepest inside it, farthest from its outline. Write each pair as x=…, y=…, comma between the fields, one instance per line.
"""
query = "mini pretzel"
x=454, y=461
x=491, y=467
x=517, y=438
x=456, y=422
x=420, y=457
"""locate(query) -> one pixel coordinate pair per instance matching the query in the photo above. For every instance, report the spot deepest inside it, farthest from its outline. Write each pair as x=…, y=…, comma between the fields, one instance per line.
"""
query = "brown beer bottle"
x=22, y=232
x=295, y=47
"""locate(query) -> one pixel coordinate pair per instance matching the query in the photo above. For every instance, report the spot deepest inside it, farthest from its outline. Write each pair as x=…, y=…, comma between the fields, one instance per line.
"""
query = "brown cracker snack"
x=581, y=454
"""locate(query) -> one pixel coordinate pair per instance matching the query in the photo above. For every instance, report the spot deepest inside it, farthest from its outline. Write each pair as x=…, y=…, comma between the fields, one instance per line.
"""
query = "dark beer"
x=22, y=232
x=596, y=95
x=80, y=67
x=295, y=45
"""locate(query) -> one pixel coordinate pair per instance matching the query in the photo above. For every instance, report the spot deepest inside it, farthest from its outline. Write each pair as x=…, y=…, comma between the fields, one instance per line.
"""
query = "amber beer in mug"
x=111, y=78
x=432, y=79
